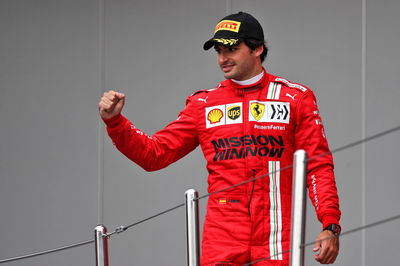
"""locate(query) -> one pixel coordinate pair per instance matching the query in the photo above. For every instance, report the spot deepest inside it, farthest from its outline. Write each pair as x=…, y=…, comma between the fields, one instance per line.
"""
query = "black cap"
x=233, y=29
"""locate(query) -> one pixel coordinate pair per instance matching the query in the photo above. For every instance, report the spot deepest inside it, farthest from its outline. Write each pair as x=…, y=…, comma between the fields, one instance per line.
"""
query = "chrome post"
x=298, y=231
x=192, y=228
x=101, y=244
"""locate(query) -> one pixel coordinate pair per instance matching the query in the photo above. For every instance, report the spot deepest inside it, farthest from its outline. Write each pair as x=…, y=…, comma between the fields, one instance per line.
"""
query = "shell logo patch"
x=257, y=110
x=224, y=114
x=230, y=25
x=214, y=116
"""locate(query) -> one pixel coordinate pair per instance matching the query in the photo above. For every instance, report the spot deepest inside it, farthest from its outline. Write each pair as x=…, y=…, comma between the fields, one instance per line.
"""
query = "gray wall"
x=61, y=176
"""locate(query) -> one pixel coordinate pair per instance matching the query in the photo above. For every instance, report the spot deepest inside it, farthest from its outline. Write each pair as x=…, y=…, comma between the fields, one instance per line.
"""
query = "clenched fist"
x=328, y=245
x=111, y=104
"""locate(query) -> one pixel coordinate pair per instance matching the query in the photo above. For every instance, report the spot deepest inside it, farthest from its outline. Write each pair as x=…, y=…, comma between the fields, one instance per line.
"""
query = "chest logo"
x=214, y=116
x=234, y=112
x=257, y=110
x=269, y=111
x=224, y=114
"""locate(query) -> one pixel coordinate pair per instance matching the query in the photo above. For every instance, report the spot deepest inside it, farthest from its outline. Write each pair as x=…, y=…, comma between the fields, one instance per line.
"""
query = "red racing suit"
x=244, y=132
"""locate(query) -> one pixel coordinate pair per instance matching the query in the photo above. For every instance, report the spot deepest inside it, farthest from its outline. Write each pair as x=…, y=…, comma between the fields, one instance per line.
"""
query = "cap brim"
x=225, y=42
x=208, y=44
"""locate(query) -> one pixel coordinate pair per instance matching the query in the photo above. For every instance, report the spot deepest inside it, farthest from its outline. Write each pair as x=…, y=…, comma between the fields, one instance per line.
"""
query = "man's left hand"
x=328, y=246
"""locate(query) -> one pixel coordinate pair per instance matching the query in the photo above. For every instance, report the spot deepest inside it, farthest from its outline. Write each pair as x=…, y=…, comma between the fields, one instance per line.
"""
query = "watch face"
x=334, y=228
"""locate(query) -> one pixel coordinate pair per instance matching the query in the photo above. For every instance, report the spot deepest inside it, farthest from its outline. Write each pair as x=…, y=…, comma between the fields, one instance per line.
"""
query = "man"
x=248, y=126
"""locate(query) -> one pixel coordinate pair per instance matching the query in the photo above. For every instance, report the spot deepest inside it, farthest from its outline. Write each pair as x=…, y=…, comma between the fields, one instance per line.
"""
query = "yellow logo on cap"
x=226, y=41
x=228, y=25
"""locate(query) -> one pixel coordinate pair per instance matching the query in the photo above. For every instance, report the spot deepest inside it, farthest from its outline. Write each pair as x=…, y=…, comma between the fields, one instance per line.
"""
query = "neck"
x=250, y=81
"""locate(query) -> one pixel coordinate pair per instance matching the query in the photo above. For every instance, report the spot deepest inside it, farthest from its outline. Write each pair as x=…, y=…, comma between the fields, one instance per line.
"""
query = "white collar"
x=250, y=80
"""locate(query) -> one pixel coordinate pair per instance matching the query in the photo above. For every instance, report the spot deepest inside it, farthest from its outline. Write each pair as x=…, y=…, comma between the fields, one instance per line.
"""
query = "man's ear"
x=258, y=51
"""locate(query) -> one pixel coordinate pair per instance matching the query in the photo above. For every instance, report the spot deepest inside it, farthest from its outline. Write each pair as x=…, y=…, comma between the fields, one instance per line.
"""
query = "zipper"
x=253, y=174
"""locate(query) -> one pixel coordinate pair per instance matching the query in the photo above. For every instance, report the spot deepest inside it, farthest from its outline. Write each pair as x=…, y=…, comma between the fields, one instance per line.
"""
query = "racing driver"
x=247, y=126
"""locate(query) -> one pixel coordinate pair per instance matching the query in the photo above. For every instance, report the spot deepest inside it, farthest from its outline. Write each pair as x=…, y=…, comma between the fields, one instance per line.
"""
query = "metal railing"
x=192, y=228
x=101, y=244
x=298, y=232
x=101, y=238
x=193, y=225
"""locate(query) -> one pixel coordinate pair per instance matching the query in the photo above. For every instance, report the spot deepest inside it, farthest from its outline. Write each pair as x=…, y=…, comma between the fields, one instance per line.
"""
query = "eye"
x=232, y=49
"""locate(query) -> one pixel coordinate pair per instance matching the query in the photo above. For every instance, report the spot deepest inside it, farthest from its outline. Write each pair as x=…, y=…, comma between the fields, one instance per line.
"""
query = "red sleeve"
x=321, y=184
x=160, y=150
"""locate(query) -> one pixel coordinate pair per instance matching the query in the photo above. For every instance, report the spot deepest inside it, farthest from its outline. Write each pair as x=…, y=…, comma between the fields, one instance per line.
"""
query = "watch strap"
x=334, y=228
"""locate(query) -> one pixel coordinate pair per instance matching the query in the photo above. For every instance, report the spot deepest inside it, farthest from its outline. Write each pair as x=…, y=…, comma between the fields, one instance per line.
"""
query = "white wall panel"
x=317, y=43
x=382, y=92
x=154, y=54
x=52, y=54
x=48, y=138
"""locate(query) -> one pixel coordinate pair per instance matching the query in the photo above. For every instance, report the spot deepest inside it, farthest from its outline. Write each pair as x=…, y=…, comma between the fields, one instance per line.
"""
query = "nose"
x=222, y=58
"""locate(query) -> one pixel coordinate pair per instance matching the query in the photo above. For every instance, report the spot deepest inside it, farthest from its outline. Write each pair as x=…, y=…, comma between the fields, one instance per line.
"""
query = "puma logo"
x=287, y=94
x=202, y=100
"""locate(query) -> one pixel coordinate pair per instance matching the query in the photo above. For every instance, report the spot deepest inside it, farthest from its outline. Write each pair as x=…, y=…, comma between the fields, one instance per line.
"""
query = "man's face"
x=238, y=62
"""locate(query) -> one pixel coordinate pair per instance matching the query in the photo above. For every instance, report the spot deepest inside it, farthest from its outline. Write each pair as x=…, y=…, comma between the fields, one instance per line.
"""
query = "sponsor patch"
x=240, y=147
x=215, y=116
x=257, y=110
x=225, y=114
x=234, y=112
x=274, y=91
x=270, y=127
x=222, y=201
x=229, y=25
x=227, y=201
x=277, y=112
x=234, y=200
x=292, y=85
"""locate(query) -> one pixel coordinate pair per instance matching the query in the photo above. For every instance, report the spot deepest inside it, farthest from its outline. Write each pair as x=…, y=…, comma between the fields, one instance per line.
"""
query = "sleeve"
x=310, y=136
x=160, y=150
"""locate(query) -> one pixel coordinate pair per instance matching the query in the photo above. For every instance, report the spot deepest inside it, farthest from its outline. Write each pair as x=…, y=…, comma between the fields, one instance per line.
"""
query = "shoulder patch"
x=206, y=91
x=274, y=91
x=291, y=85
x=197, y=92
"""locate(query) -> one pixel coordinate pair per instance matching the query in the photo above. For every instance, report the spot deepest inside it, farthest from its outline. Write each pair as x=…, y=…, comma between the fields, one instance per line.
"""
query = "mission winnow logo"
x=248, y=145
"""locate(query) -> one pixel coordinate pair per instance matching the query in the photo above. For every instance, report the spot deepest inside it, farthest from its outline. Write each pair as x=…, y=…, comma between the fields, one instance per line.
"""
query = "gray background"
x=61, y=176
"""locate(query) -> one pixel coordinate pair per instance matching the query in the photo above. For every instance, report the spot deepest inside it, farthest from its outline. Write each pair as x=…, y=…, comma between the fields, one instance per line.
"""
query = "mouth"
x=227, y=67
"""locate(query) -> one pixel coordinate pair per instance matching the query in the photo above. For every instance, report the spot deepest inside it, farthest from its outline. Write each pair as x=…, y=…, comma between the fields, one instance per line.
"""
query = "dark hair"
x=253, y=44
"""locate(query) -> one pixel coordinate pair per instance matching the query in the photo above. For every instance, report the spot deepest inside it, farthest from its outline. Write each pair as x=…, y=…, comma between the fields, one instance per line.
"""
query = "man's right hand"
x=111, y=104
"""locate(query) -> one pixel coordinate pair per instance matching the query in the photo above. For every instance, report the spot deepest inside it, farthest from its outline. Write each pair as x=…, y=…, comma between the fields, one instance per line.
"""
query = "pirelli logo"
x=228, y=25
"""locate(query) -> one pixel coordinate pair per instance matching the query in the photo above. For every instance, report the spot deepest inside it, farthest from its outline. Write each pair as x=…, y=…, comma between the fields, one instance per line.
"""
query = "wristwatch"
x=334, y=228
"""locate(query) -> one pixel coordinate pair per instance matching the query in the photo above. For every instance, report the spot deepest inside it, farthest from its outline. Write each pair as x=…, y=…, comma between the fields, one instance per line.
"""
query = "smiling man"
x=248, y=126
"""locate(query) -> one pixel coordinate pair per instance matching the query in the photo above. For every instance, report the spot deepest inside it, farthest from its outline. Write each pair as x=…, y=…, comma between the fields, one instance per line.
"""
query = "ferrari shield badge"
x=257, y=110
